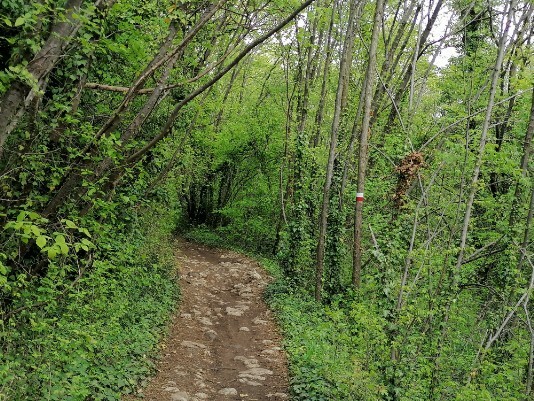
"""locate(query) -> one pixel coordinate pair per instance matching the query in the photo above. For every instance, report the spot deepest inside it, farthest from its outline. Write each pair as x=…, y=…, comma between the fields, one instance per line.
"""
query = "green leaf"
x=20, y=21
x=87, y=243
x=64, y=248
x=22, y=215
x=3, y=269
x=60, y=239
x=41, y=241
x=84, y=231
x=7, y=22
x=52, y=252
x=70, y=224
x=36, y=230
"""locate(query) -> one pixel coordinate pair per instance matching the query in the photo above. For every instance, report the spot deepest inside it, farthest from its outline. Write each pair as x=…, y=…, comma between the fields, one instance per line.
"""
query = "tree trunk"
x=326, y=73
x=12, y=103
x=527, y=149
x=364, y=138
x=323, y=220
x=485, y=128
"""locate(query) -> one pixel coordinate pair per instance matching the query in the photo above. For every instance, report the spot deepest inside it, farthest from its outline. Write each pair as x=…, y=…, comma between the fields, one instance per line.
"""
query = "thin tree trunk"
x=530, y=368
x=364, y=138
x=527, y=149
x=526, y=235
x=323, y=220
x=352, y=142
x=485, y=128
x=304, y=100
x=326, y=73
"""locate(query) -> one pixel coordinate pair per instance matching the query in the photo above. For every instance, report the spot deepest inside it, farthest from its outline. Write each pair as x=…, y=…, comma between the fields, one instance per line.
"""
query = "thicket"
x=392, y=184
x=95, y=336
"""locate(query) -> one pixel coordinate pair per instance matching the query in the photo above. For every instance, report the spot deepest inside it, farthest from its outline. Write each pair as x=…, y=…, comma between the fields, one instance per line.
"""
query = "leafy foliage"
x=94, y=337
x=150, y=116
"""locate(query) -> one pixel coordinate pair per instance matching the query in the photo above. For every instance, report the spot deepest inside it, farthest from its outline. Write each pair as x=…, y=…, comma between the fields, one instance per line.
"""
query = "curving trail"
x=223, y=343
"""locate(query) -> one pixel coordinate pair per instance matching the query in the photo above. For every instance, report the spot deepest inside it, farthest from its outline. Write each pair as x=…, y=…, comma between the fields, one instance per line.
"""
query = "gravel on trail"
x=223, y=343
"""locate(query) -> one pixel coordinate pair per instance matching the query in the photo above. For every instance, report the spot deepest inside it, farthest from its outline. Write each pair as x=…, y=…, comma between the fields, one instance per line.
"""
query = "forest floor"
x=223, y=343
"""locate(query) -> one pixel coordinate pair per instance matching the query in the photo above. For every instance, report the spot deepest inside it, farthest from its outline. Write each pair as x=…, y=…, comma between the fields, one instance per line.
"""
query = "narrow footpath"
x=223, y=343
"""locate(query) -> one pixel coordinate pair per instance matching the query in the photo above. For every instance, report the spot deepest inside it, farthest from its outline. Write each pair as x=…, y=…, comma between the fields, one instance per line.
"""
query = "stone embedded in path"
x=234, y=312
x=180, y=396
x=254, y=275
x=259, y=321
x=242, y=290
x=228, y=391
x=271, y=351
x=257, y=371
x=237, y=311
x=244, y=380
x=171, y=389
x=244, y=328
x=192, y=344
x=254, y=375
x=277, y=396
x=180, y=372
x=210, y=334
x=205, y=321
x=249, y=362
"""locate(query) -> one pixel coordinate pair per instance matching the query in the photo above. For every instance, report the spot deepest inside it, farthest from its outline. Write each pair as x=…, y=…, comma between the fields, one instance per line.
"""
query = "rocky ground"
x=223, y=343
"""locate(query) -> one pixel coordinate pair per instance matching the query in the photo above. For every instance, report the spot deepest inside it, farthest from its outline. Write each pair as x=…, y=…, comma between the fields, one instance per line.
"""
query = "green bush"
x=94, y=341
x=323, y=362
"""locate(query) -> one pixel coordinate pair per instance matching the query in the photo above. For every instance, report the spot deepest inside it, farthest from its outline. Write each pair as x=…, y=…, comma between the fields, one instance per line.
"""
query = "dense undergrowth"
x=94, y=339
x=324, y=363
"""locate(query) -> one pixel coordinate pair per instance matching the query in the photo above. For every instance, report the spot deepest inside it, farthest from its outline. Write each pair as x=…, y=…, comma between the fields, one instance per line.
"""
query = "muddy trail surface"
x=223, y=343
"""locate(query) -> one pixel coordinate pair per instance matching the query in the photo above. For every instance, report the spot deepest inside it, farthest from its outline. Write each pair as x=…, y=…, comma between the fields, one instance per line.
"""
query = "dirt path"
x=223, y=344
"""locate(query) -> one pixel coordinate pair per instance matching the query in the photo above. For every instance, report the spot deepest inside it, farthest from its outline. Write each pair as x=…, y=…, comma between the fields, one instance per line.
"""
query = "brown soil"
x=223, y=343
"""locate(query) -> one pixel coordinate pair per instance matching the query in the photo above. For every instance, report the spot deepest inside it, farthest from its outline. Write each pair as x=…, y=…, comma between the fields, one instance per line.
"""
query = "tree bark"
x=323, y=220
x=364, y=138
x=12, y=103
